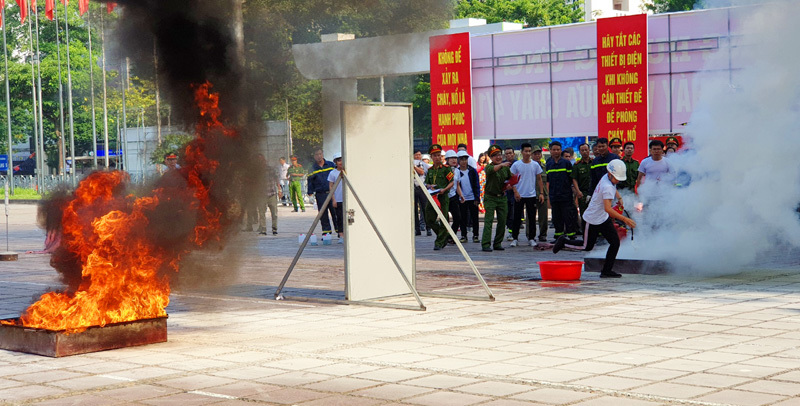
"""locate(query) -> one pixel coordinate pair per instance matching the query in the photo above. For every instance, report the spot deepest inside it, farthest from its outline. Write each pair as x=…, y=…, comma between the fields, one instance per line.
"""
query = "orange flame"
x=125, y=274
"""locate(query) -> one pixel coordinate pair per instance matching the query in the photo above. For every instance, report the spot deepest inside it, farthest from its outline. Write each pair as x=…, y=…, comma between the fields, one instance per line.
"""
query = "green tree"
x=531, y=13
x=668, y=6
x=20, y=52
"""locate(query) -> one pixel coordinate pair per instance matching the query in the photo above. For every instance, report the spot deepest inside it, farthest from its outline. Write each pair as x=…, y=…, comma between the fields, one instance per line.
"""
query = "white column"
x=334, y=91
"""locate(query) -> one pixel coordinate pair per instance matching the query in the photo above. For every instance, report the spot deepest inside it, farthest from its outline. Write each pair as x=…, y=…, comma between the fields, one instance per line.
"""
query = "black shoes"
x=417, y=232
x=610, y=274
x=559, y=245
x=486, y=249
x=499, y=248
x=436, y=248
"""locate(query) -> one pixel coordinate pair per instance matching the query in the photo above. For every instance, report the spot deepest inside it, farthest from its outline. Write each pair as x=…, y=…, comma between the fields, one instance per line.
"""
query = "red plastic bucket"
x=560, y=270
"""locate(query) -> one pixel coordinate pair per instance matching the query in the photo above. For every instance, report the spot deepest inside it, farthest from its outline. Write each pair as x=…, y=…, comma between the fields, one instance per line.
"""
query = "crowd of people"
x=579, y=190
x=510, y=191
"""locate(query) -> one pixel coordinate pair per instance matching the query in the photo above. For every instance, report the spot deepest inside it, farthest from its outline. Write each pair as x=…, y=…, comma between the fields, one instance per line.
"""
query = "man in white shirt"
x=655, y=172
x=283, y=171
x=600, y=216
x=338, y=199
x=525, y=196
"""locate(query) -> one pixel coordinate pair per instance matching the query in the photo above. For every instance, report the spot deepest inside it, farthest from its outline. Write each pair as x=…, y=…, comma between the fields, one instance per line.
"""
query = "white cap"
x=617, y=169
x=426, y=156
x=450, y=154
x=336, y=156
x=462, y=153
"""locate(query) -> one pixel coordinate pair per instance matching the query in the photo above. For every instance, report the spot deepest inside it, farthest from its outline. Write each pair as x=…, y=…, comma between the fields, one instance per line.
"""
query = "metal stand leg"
x=305, y=241
x=460, y=248
x=385, y=246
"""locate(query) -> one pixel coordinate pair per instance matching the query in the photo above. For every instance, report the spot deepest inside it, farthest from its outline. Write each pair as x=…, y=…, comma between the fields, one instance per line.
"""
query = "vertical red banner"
x=451, y=90
x=622, y=80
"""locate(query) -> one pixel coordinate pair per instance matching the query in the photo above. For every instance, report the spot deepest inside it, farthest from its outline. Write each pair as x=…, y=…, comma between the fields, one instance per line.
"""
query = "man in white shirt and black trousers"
x=600, y=216
x=530, y=180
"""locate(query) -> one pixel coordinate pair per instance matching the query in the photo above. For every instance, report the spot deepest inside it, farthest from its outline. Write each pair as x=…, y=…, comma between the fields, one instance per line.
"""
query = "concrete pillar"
x=334, y=91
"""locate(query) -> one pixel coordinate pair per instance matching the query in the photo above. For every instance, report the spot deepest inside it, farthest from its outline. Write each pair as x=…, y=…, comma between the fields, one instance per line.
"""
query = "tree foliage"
x=21, y=50
x=669, y=6
x=531, y=13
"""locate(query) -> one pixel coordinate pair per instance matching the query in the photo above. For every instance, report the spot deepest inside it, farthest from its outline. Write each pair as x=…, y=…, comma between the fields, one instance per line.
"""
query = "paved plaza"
x=639, y=340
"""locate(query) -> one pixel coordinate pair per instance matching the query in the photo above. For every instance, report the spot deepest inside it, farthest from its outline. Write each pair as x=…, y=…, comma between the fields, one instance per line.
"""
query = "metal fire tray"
x=61, y=344
x=628, y=266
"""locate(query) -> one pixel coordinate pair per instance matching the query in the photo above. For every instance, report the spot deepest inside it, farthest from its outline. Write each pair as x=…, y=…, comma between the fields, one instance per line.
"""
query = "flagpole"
x=124, y=85
x=158, y=94
x=69, y=99
x=105, y=92
x=10, y=169
x=40, y=151
x=35, y=123
x=91, y=87
x=60, y=95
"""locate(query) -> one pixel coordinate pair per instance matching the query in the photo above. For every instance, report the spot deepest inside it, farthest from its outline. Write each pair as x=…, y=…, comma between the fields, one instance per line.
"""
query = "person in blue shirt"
x=318, y=186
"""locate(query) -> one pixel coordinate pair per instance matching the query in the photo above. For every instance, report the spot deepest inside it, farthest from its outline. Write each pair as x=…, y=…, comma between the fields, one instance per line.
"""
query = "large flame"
x=125, y=269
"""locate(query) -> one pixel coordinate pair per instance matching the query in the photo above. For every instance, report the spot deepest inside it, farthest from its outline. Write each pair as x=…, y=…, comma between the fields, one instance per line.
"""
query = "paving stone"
x=138, y=392
x=673, y=390
x=553, y=396
x=494, y=388
x=440, y=381
x=341, y=400
x=447, y=399
x=182, y=399
x=393, y=391
x=611, y=382
x=341, y=385
x=87, y=399
x=711, y=380
x=289, y=396
x=739, y=397
x=617, y=401
x=195, y=382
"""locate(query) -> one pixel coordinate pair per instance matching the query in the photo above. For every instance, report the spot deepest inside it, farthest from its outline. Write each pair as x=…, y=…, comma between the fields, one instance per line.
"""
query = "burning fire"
x=125, y=269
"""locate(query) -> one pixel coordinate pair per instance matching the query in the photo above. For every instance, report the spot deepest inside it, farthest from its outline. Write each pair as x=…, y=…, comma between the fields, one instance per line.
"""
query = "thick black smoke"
x=194, y=43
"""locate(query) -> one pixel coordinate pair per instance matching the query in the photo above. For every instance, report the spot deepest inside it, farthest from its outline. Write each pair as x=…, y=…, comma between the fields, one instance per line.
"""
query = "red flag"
x=111, y=5
x=83, y=6
x=49, y=6
x=23, y=9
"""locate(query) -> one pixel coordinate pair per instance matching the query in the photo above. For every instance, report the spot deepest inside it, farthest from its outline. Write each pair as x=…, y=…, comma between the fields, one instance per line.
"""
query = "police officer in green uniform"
x=296, y=173
x=494, y=199
x=582, y=179
x=439, y=177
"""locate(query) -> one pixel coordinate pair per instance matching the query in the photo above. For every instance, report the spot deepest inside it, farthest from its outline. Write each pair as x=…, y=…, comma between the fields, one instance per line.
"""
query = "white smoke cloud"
x=745, y=171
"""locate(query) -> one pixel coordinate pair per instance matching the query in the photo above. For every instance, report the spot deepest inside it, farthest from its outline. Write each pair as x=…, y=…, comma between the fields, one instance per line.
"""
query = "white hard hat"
x=336, y=156
x=617, y=169
x=450, y=154
x=426, y=156
x=462, y=153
